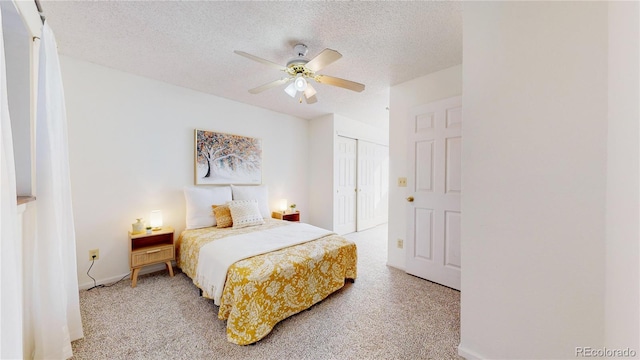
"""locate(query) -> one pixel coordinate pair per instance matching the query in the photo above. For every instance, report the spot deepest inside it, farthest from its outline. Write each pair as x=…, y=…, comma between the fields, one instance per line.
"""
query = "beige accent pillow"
x=222, y=215
x=245, y=213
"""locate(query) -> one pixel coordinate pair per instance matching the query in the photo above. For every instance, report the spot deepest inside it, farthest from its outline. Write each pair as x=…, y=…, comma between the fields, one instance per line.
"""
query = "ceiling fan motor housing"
x=300, y=50
x=296, y=65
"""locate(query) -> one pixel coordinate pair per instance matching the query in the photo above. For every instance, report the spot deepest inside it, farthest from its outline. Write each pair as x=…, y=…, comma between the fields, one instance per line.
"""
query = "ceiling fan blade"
x=325, y=58
x=310, y=94
x=267, y=86
x=260, y=60
x=347, y=84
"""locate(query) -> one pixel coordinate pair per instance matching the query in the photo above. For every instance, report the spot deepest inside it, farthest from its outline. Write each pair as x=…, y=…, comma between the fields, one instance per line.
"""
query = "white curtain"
x=10, y=246
x=56, y=311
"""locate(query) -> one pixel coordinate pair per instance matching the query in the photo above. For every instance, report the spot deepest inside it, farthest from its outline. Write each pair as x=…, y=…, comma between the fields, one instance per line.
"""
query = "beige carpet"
x=385, y=314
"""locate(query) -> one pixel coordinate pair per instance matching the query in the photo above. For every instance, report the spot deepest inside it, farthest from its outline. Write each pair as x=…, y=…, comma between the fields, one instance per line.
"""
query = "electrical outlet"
x=402, y=182
x=94, y=252
x=400, y=244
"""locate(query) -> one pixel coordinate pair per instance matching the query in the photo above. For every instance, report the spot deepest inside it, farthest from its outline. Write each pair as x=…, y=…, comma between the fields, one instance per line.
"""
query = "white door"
x=366, y=207
x=433, y=234
x=372, y=184
x=345, y=184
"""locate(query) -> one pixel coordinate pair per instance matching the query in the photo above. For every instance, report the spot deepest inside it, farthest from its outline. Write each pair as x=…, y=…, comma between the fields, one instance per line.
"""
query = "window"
x=18, y=43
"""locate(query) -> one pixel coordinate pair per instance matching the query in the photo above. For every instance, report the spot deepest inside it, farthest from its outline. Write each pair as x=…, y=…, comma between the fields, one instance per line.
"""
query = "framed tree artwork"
x=227, y=159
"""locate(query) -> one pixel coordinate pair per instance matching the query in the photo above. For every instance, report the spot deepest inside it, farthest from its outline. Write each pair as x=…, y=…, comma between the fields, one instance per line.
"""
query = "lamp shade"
x=283, y=205
x=155, y=219
x=309, y=91
x=300, y=83
x=291, y=90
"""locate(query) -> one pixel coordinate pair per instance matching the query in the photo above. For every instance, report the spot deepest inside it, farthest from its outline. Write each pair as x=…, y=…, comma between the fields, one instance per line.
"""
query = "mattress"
x=262, y=290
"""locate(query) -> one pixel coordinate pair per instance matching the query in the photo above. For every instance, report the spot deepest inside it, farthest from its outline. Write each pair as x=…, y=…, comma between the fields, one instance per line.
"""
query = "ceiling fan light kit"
x=291, y=90
x=300, y=70
x=300, y=83
x=309, y=91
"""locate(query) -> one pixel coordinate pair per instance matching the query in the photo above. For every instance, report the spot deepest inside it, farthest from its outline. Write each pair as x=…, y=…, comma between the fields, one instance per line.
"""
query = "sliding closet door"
x=372, y=184
x=362, y=186
x=345, y=185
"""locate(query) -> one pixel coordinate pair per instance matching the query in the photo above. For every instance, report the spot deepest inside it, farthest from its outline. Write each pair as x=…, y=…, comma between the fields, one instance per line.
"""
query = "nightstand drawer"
x=150, y=256
x=295, y=216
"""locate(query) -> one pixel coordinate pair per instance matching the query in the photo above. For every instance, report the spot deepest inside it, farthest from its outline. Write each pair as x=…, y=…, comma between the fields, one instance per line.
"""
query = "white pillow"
x=245, y=213
x=199, y=201
x=259, y=193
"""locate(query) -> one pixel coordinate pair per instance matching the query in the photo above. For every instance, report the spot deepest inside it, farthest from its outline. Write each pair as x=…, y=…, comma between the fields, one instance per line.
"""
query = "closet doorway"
x=361, y=185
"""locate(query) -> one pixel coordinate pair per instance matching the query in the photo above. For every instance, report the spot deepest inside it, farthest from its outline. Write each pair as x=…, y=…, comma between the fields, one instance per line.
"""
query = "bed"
x=266, y=286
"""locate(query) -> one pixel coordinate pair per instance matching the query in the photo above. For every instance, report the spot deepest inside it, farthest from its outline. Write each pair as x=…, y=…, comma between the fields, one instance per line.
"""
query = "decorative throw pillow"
x=199, y=200
x=245, y=213
x=259, y=193
x=222, y=215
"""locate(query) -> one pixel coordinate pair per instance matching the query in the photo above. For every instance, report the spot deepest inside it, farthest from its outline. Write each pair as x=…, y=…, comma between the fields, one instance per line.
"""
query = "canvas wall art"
x=227, y=159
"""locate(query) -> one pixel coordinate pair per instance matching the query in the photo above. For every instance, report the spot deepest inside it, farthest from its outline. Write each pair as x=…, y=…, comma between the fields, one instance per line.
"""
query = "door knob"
x=410, y=199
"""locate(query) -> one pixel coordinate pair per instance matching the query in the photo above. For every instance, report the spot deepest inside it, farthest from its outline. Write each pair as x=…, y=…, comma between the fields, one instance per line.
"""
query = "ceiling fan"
x=300, y=70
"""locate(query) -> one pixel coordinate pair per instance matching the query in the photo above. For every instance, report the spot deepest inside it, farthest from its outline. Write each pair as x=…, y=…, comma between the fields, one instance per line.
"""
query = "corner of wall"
x=622, y=278
x=321, y=135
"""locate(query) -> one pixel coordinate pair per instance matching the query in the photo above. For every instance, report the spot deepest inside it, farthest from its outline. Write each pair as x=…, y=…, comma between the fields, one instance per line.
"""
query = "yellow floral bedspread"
x=262, y=290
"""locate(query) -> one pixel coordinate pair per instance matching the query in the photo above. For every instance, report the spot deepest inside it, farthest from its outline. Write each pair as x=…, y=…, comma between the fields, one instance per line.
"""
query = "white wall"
x=131, y=144
x=439, y=85
x=534, y=179
x=622, y=294
x=354, y=129
x=321, y=170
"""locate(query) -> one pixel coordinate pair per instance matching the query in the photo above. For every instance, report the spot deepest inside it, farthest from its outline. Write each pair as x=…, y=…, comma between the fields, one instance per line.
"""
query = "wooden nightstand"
x=295, y=217
x=148, y=249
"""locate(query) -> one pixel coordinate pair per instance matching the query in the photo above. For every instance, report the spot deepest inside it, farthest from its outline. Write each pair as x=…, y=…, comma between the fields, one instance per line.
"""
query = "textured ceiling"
x=191, y=44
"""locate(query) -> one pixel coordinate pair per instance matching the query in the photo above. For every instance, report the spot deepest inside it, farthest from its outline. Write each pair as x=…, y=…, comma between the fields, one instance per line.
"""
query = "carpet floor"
x=385, y=314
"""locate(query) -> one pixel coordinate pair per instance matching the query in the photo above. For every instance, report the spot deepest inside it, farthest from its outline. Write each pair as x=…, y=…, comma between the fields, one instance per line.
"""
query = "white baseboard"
x=107, y=281
x=396, y=267
x=468, y=354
